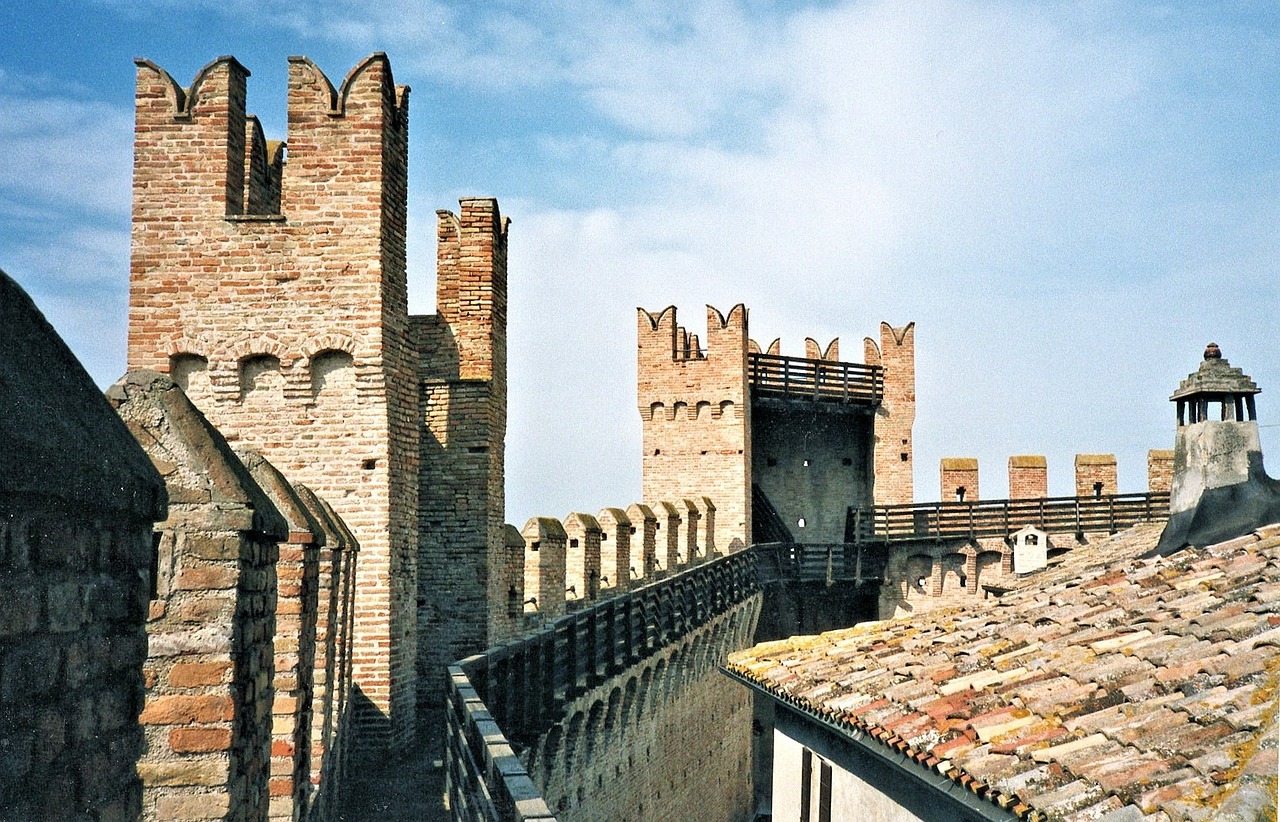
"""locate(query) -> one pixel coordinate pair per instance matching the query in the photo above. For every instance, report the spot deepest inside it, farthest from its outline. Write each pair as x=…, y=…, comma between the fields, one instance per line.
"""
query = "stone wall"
x=663, y=741
x=813, y=463
x=211, y=627
x=288, y=326
x=75, y=543
x=1160, y=469
x=615, y=711
x=297, y=604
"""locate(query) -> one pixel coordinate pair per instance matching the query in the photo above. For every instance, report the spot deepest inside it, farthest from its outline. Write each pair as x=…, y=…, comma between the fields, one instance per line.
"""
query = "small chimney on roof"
x=1220, y=489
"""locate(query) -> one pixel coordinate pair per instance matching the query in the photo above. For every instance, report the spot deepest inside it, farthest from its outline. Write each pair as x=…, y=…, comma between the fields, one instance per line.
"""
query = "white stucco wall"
x=851, y=797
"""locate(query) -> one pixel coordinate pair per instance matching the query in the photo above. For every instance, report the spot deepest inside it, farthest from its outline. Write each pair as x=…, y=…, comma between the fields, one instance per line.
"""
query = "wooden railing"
x=839, y=562
x=503, y=699
x=797, y=378
x=999, y=518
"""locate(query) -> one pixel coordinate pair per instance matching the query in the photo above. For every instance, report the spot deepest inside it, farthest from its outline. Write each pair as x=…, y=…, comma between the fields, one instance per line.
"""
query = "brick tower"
x=275, y=295
x=463, y=378
x=894, y=462
x=695, y=412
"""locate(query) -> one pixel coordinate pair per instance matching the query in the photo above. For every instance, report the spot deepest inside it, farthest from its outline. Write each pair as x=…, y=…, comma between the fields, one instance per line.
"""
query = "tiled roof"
x=1105, y=683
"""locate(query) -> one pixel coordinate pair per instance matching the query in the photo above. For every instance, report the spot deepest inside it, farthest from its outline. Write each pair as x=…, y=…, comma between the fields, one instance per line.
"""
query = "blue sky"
x=1069, y=199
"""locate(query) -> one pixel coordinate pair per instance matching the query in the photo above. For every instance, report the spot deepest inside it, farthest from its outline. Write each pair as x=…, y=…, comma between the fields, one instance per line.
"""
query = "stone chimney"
x=1220, y=490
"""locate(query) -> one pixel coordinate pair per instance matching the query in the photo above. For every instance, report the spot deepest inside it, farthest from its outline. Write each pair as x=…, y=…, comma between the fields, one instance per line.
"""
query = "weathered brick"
x=195, y=674
x=200, y=740
x=181, y=709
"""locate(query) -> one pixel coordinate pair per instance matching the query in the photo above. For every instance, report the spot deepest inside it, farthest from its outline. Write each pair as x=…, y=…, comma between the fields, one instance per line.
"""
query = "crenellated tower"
x=695, y=413
x=462, y=373
x=269, y=281
x=893, y=460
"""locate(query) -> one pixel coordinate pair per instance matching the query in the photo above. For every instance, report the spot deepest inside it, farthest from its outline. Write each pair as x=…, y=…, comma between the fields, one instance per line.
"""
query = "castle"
x=298, y=507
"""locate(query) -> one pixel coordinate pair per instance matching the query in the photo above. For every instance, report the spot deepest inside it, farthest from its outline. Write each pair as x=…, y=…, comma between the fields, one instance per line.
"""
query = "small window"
x=805, y=463
x=800, y=522
x=772, y=462
x=904, y=456
x=847, y=461
x=960, y=494
x=573, y=543
x=1097, y=490
x=535, y=545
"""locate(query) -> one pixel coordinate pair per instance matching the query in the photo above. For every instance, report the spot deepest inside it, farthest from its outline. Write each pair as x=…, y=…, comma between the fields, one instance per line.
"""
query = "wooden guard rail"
x=999, y=518
x=798, y=378
x=808, y=562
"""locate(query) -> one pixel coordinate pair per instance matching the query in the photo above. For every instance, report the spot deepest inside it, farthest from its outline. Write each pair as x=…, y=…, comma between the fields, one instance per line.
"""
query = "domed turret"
x=1220, y=489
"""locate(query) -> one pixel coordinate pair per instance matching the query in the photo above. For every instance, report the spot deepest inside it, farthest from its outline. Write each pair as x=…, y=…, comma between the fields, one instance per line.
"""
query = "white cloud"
x=65, y=152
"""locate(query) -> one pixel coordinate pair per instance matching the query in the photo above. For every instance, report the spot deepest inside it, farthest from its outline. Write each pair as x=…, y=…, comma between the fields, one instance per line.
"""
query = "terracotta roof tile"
x=1105, y=685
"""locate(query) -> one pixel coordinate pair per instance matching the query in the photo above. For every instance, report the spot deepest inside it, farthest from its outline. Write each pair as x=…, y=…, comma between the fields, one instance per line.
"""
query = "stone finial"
x=1212, y=352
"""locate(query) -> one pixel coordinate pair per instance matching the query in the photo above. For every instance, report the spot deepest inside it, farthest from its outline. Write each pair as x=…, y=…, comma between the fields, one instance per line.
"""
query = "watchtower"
x=782, y=446
x=275, y=295
x=696, y=416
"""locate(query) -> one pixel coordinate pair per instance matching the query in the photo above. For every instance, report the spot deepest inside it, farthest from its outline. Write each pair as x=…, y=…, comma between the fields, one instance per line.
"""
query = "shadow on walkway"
x=403, y=788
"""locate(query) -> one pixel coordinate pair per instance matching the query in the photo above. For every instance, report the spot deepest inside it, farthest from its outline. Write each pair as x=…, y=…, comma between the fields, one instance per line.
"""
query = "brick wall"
x=297, y=606
x=290, y=329
x=617, y=566
x=462, y=369
x=959, y=479
x=75, y=543
x=695, y=415
x=894, y=456
x=210, y=663
x=1096, y=475
x=582, y=558
x=1028, y=477
x=331, y=744
x=1159, y=469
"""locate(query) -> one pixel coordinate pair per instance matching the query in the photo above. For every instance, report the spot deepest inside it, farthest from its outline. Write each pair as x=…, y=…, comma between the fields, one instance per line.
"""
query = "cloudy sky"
x=1068, y=198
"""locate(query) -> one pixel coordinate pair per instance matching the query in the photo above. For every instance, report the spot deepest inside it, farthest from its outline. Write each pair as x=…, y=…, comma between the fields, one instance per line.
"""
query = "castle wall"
x=289, y=329
x=958, y=479
x=696, y=417
x=462, y=371
x=617, y=712
x=1029, y=477
x=75, y=545
x=209, y=669
x=1096, y=475
x=297, y=607
x=894, y=456
x=1160, y=469
x=329, y=737
x=666, y=740
x=813, y=465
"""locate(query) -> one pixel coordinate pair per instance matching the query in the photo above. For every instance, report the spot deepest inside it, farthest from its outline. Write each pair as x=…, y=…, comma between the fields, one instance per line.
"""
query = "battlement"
x=1095, y=476
x=569, y=564
x=471, y=288
x=197, y=148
